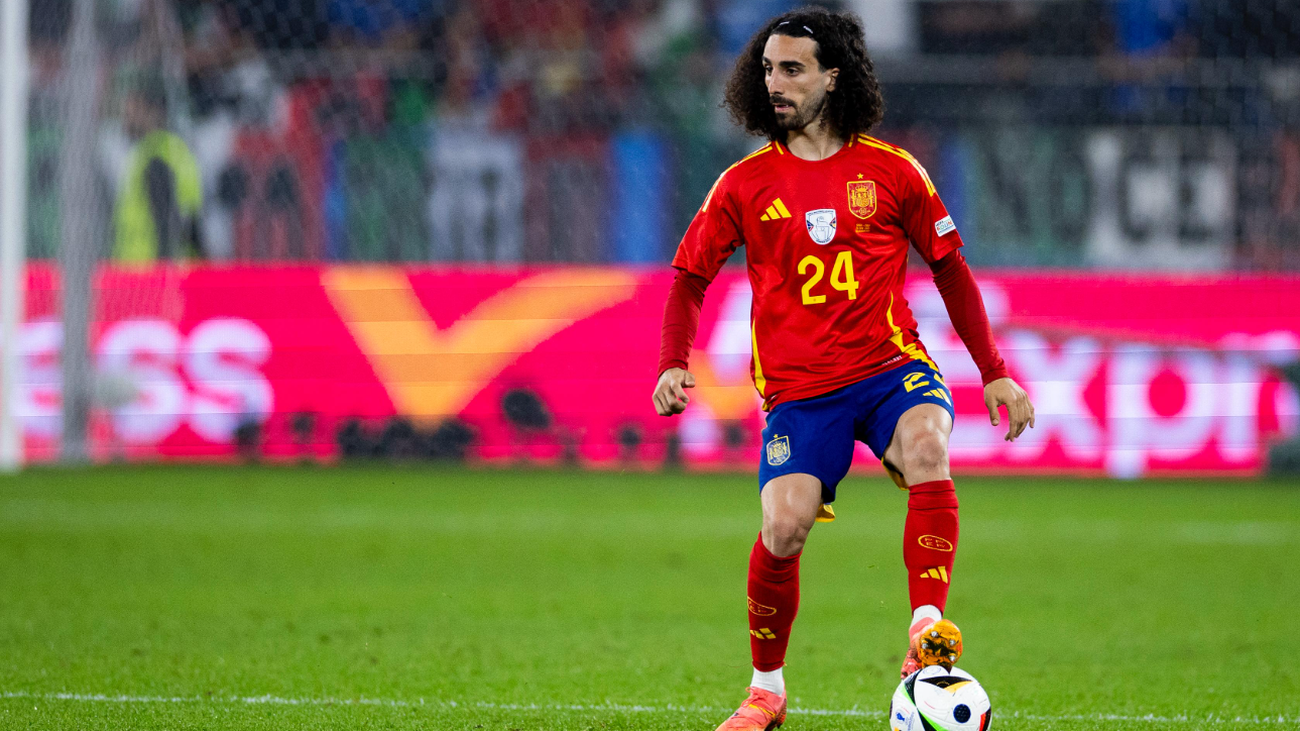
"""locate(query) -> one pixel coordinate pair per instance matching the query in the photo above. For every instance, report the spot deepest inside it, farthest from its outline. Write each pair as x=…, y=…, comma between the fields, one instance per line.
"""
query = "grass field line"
x=603, y=707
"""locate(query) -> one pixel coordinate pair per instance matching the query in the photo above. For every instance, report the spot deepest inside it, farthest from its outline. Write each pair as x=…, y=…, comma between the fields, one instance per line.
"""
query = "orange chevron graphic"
x=429, y=372
x=728, y=400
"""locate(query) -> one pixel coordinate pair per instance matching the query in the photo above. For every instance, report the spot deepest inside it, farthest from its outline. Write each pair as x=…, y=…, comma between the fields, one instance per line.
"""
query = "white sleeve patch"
x=944, y=226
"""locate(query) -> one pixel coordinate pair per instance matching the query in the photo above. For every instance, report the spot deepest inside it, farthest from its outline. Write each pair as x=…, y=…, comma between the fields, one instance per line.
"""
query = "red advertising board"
x=1131, y=375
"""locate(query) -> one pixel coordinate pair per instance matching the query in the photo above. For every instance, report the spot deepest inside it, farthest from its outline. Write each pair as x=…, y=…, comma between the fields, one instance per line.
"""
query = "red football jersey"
x=827, y=252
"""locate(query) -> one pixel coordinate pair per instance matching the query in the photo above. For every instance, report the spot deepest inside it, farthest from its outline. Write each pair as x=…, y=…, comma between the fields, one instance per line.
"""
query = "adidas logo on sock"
x=939, y=572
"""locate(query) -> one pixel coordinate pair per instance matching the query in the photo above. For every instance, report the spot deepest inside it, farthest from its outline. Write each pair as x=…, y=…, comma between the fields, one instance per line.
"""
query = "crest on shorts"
x=821, y=224
x=862, y=198
x=778, y=451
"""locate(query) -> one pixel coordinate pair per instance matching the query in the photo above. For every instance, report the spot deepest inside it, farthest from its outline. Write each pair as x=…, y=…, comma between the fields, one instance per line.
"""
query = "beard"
x=801, y=115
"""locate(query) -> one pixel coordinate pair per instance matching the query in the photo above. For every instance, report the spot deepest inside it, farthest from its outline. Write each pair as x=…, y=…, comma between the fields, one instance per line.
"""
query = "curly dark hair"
x=855, y=106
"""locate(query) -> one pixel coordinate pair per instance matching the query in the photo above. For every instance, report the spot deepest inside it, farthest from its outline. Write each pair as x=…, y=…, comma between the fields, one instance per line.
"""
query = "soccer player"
x=827, y=213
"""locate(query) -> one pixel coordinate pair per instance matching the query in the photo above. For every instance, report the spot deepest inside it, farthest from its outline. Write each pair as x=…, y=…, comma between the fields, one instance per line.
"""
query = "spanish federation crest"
x=862, y=198
x=778, y=451
x=821, y=224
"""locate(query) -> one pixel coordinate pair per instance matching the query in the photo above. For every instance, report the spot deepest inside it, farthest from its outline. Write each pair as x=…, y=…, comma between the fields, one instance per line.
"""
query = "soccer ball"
x=935, y=699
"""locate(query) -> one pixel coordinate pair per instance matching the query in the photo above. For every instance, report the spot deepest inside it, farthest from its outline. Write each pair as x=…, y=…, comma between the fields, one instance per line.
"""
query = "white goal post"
x=13, y=219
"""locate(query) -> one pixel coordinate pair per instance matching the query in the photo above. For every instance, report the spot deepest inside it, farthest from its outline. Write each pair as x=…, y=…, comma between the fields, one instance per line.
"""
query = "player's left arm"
x=935, y=236
x=961, y=297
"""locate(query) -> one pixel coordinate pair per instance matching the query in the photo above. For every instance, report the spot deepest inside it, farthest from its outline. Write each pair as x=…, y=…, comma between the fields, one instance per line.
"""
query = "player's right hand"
x=670, y=395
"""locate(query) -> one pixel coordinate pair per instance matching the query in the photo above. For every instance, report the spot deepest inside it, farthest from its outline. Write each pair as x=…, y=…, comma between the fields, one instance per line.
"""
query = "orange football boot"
x=932, y=643
x=763, y=710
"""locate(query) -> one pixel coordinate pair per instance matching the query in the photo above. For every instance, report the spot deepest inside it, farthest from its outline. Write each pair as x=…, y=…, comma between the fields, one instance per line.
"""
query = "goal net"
x=164, y=135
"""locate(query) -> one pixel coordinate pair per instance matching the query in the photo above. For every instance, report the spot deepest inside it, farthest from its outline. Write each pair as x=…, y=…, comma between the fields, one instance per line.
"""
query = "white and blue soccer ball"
x=935, y=699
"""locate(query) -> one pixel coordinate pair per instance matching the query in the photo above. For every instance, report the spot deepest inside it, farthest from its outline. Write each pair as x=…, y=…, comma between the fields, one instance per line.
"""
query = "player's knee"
x=925, y=452
x=784, y=535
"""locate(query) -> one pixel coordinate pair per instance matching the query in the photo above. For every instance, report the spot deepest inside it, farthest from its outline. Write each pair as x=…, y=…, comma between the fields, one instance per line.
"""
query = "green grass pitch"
x=441, y=598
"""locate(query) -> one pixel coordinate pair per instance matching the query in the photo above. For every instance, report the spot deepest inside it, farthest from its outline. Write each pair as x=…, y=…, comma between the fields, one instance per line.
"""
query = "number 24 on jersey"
x=842, y=278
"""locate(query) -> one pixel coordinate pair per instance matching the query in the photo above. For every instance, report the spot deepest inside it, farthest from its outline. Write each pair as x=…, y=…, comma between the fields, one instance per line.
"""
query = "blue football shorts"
x=815, y=436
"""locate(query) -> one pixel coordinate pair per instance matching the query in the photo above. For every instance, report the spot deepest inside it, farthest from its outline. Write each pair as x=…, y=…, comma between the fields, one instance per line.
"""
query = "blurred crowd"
x=588, y=130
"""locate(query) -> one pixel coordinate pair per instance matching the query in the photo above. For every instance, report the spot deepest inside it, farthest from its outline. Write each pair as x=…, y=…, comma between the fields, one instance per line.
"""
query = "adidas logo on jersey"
x=939, y=572
x=776, y=211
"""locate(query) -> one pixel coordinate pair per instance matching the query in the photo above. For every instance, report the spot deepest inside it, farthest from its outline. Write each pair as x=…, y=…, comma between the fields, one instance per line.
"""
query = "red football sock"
x=773, y=602
x=930, y=541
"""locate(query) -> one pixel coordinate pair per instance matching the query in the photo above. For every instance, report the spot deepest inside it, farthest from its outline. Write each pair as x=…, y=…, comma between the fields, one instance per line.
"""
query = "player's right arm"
x=681, y=320
x=713, y=236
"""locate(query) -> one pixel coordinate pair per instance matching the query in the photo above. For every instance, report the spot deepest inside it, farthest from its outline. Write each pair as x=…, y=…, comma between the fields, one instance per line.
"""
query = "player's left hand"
x=1020, y=412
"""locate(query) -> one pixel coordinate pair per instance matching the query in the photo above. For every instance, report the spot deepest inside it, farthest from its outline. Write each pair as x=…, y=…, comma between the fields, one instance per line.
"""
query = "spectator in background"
x=469, y=86
x=552, y=86
x=396, y=25
x=214, y=52
x=976, y=27
x=1154, y=44
x=1009, y=38
x=48, y=24
x=549, y=51
x=999, y=27
x=159, y=193
x=736, y=20
x=281, y=25
x=408, y=38
x=476, y=163
x=1248, y=28
x=1152, y=28
x=232, y=89
x=375, y=139
x=1268, y=194
x=672, y=57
